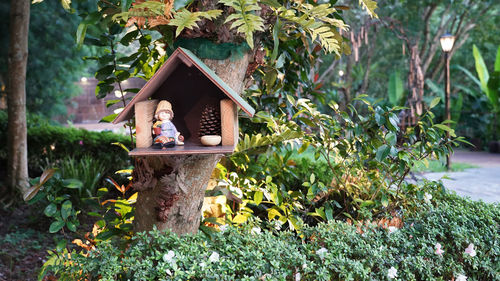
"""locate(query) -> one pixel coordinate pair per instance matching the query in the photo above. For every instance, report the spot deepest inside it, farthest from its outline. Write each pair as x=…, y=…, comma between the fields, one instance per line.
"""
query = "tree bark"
x=416, y=87
x=172, y=188
x=16, y=98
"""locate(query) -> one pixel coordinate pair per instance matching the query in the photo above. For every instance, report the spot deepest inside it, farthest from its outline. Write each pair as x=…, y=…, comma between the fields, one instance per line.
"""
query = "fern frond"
x=316, y=21
x=370, y=7
x=186, y=19
x=245, y=21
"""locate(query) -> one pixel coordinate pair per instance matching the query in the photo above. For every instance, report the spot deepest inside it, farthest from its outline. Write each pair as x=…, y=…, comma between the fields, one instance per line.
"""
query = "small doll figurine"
x=165, y=131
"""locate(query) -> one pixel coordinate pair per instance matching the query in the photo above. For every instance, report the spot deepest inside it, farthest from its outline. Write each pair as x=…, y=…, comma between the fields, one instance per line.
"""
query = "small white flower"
x=297, y=276
x=214, y=257
x=223, y=228
x=392, y=272
x=256, y=230
x=203, y=264
x=427, y=198
x=321, y=252
x=470, y=250
x=392, y=229
x=461, y=277
x=169, y=272
x=169, y=257
x=438, y=251
x=304, y=266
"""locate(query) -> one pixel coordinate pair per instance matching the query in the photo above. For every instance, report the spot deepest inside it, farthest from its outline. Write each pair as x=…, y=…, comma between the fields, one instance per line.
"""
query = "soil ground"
x=24, y=240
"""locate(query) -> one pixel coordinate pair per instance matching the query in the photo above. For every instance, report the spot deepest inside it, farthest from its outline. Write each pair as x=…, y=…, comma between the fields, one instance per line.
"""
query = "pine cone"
x=210, y=122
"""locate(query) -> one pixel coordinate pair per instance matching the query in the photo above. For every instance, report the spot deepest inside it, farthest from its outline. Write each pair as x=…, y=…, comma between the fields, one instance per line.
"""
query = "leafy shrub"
x=333, y=251
x=52, y=143
x=87, y=170
x=357, y=166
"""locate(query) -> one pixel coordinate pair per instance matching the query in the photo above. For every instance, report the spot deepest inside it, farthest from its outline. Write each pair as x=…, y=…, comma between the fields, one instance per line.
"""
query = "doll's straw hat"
x=164, y=106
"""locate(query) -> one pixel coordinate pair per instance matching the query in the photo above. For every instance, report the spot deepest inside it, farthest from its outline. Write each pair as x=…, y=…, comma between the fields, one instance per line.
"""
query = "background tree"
x=16, y=98
x=50, y=73
x=55, y=63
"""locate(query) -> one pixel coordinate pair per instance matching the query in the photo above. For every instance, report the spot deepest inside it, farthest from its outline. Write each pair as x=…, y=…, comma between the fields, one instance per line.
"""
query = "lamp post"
x=447, y=41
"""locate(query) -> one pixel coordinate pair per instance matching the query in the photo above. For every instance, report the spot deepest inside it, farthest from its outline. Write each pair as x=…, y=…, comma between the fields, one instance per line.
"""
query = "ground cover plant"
x=448, y=239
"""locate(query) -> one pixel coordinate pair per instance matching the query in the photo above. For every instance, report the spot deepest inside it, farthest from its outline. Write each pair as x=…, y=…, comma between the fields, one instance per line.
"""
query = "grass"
x=435, y=166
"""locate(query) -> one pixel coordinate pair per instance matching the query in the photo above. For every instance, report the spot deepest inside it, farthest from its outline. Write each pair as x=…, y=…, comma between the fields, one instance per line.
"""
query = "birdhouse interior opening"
x=189, y=92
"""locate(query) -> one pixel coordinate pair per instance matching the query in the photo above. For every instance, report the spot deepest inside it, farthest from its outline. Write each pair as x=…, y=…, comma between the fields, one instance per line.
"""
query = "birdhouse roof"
x=181, y=55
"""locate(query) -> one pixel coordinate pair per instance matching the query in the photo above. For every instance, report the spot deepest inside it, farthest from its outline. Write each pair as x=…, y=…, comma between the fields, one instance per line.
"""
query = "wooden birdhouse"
x=201, y=102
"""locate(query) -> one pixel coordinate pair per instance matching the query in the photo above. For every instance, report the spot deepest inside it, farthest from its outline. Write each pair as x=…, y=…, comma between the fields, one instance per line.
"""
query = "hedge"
x=333, y=251
x=47, y=142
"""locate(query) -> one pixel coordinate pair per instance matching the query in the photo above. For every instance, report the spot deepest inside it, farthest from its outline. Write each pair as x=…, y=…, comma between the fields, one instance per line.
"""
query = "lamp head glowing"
x=447, y=41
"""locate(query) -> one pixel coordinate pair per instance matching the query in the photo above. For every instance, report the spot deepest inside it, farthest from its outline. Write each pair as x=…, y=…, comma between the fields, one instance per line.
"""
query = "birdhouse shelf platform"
x=188, y=148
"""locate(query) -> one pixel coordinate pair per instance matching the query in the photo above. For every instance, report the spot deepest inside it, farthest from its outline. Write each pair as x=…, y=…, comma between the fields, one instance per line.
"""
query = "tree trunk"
x=16, y=98
x=416, y=88
x=172, y=188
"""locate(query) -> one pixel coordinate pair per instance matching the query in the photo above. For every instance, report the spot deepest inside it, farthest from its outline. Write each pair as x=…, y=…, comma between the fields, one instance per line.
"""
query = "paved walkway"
x=481, y=183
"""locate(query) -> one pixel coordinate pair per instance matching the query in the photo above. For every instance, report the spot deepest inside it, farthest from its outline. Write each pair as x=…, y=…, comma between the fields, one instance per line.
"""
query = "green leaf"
x=71, y=226
x=244, y=19
x=129, y=37
x=80, y=33
x=186, y=19
x=481, y=69
x=72, y=183
x=434, y=102
x=384, y=200
x=445, y=128
x=391, y=138
x=104, y=72
x=61, y=245
x=50, y=210
x=469, y=74
x=367, y=203
x=497, y=60
x=122, y=75
x=379, y=119
x=112, y=102
x=109, y=118
x=329, y=212
x=276, y=40
x=66, y=4
x=395, y=88
x=370, y=7
x=101, y=223
x=66, y=209
x=103, y=89
x=272, y=213
x=393, y=122
x=382, y=152
x=270, y=78
x=56, y=226
x=257, y=197
x=239, y=219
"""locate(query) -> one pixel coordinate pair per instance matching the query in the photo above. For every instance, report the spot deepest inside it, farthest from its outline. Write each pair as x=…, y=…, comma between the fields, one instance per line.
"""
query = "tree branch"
x=427, y=18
